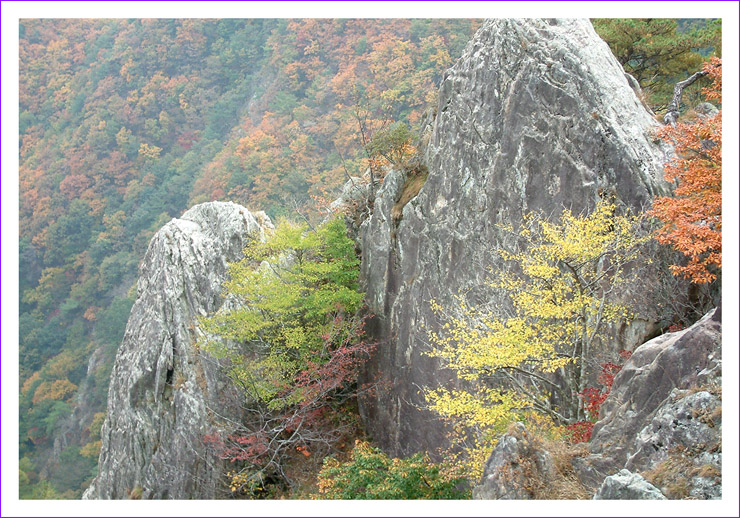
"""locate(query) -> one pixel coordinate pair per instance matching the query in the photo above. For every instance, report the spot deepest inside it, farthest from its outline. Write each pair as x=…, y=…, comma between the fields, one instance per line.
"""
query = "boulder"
x=627, y=486
x=517, y=469
x=663, y=416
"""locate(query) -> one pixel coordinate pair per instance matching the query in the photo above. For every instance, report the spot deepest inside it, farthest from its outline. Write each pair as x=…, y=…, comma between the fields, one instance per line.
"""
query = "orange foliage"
x=692, y=219
x=29, y=382
x=58, y=390
x=91, y=450
x=73, y=185
x=60, y=366
x=91, y=313
x=385, y=69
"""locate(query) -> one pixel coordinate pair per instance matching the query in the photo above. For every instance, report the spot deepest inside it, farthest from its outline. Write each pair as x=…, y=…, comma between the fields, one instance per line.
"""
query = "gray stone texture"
x=627, y=486
x=665, y=407
x=536, y=115
x=662, y=424
x=163, y=392
x=515, y=469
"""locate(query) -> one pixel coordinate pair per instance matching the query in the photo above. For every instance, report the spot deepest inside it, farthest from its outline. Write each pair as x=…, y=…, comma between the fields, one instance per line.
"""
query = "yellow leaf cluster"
x=243, y=481
x=485, y=408
x=91, y=450
x=57, y=390
x=149, y=151
x=556, y=285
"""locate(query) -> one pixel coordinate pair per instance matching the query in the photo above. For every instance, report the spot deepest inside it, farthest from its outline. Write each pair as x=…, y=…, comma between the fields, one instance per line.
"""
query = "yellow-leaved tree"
x=535, y=352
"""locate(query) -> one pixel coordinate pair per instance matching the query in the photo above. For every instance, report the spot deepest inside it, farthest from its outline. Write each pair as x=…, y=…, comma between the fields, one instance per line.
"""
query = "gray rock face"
x=627, y=486
x=162, y=390
x=535, y=116
x=663, y=416
x=514, y=468
x=706, y=109
x=354, y=191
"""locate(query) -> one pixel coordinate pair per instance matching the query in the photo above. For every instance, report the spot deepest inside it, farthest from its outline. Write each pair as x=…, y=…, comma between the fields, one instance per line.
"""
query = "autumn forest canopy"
x=125, y=124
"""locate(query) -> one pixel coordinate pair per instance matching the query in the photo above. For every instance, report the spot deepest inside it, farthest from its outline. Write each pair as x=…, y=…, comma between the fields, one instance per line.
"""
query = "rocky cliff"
x=663, y=417
x=537, y=115
x=162, y=390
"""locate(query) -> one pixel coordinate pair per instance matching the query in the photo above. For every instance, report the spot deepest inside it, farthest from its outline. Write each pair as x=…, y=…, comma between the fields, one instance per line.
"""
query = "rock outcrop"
x=661, y=435
x=663, y=417
x=162, y=390
x=627, y=486
x=537, y=115
x=516, y=469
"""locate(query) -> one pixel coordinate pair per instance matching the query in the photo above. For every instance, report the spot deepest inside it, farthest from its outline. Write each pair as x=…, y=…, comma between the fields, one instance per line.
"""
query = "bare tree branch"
x=671, y=117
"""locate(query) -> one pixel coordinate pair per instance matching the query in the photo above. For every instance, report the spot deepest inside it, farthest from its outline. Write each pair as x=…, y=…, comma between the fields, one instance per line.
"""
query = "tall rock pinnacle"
x=162, y=391
x=537, y=115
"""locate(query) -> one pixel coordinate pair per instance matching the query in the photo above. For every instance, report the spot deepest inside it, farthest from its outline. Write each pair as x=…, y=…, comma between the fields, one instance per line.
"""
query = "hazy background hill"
x=124, y=124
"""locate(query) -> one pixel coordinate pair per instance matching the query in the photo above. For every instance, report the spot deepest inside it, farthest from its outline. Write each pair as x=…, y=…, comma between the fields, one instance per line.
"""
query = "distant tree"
x=26, y=472
x=692, y=218
x=659, y=51
x=77, y=474
x=43, y=491
x=61, y=390
x=92, y=448
x=149, y=152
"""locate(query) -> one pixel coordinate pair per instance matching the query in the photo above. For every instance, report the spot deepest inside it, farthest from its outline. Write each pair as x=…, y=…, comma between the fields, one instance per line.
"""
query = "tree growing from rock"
x=292, y=346
x=561, y=281
x=393, y=144
x=692, y=217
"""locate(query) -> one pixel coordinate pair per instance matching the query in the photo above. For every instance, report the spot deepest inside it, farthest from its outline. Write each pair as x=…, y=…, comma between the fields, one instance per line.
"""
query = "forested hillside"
x=126, y=123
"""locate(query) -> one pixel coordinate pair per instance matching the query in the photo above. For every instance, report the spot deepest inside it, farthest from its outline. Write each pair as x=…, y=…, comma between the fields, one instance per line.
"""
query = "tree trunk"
x=671, y=117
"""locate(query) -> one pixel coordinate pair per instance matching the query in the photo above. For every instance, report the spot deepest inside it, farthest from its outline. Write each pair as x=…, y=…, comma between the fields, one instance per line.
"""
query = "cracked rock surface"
x=515, y=466
x=663, y=417
x=627, y=486
x=162, y=390
x=536, y=115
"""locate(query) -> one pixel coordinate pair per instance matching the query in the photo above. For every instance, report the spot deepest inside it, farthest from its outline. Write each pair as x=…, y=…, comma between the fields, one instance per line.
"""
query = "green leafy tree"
x=77, y=473
x=392, y=143
x=290, y=290
x=43, y=491
x=659, y=52
x=26, y=474
x=293, y=347
x=536, y=351
x=371, y=475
